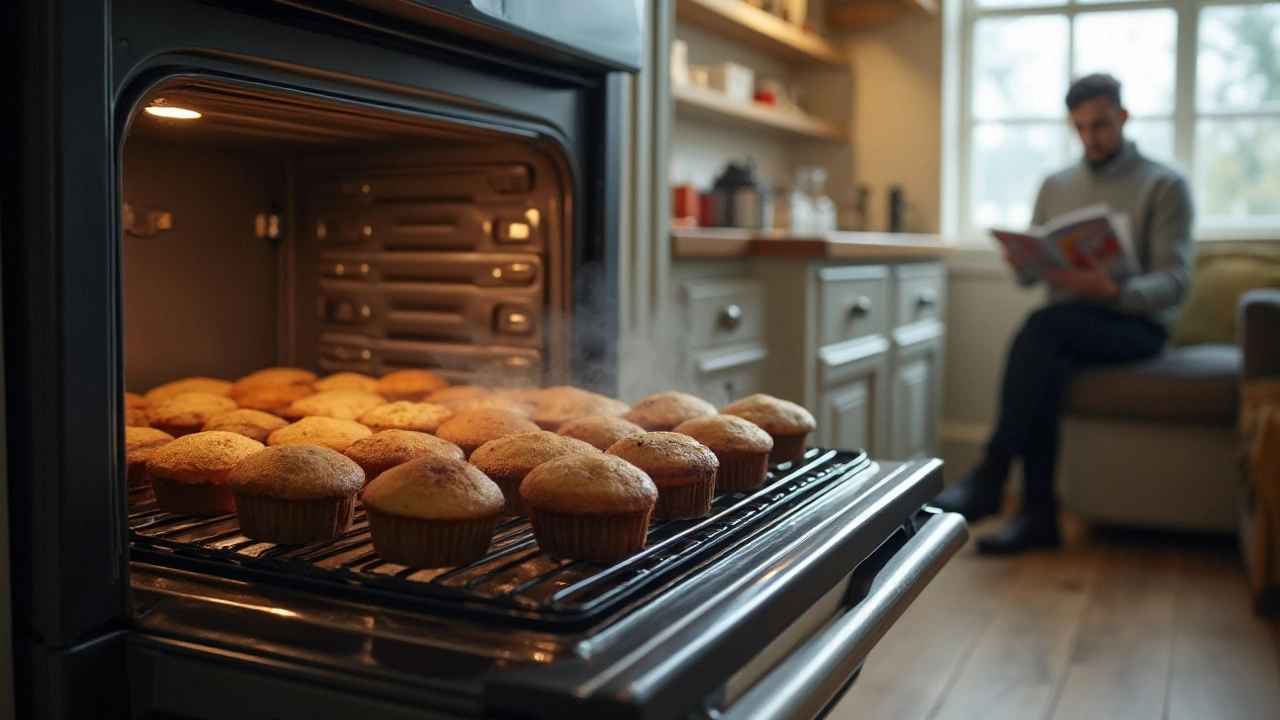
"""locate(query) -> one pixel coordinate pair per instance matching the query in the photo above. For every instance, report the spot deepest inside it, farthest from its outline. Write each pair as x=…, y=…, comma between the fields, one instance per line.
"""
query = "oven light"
x=518, y=231
x=173, y=113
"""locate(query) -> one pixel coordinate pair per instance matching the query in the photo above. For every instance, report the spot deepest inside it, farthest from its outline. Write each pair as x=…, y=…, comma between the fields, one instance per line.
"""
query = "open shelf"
x=708, y=105
x=862, y=14
x=751, y=26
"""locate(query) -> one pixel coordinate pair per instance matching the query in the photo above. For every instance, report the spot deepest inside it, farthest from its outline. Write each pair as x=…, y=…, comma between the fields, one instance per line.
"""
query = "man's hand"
x=1092, y=282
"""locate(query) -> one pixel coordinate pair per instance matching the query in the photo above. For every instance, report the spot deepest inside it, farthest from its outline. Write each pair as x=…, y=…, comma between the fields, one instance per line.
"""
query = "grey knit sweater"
x=1158, y=203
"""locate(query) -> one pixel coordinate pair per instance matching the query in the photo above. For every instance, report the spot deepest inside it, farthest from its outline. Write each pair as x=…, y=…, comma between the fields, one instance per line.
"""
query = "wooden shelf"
x=735, y=242
x=713, y=106
x=863, y=14
x=751, y=26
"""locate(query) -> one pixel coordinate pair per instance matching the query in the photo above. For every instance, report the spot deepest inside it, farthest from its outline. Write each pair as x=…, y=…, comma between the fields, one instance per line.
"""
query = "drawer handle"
x=731, y=317
x=927, y=297
x=859, y=306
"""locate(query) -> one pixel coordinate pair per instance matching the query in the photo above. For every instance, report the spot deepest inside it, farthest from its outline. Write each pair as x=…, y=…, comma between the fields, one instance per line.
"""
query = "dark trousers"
x=1054, y=340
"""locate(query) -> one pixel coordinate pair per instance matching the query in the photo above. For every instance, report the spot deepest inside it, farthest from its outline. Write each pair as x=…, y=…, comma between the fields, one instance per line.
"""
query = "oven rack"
x=515, y=583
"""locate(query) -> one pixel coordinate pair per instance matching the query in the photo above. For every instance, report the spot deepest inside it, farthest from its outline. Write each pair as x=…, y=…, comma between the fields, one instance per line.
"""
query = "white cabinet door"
x=917, y=392
x=853, y=405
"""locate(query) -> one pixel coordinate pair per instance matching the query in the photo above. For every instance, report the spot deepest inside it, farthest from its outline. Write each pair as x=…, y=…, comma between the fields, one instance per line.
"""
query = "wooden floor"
x=1123, y=626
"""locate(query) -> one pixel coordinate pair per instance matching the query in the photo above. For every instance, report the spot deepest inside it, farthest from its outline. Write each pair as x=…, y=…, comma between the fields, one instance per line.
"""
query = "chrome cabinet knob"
x=927, y=297
x=859, y=306
x=731, y=317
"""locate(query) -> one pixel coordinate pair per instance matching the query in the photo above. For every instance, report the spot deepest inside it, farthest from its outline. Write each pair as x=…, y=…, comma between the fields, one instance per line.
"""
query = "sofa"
x=1155, y=444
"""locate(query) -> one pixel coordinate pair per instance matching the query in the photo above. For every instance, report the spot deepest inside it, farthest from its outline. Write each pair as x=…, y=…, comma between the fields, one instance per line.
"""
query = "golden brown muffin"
x=683, y=469
x=212, y=386
x=295, y=494
x=666, y=410
x=274, y=399
x=253, y=424
x=189, y=475
x=526, y=395
x=136, y=417
x=140, y=443
x=413, y=385
x=487, y=402
x=589, y=506
x=384, y=450
x=558, y=405
x=187, y=413
x=338, y=404
x=786, y=422
x=337, y=435
x=457, y=392
x=405, y=415
x=601, y=431
x=432, y=512
x=134, y=401
x=270, y=377
x=509, y=459
x=740, y=445
x=471, y=430
x=346, y=381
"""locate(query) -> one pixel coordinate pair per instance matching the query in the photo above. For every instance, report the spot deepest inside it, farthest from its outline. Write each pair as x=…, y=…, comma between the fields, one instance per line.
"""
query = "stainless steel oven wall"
x=77, y=70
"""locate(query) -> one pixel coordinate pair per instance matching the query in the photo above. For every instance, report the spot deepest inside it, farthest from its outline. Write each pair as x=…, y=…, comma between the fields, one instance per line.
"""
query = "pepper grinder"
x=897, y=209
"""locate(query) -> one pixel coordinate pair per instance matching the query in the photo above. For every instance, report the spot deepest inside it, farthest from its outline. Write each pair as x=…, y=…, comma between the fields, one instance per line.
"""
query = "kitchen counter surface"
x=735, y=242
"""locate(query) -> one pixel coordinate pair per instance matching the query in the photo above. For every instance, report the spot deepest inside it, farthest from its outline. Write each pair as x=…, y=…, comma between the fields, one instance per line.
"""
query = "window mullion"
x=1184, y=87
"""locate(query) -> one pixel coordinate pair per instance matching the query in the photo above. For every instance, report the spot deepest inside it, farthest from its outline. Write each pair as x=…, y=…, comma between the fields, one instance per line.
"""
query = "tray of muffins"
x=543, y=507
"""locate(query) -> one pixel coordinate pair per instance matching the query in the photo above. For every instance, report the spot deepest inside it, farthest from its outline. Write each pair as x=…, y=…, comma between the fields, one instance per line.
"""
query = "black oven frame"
x=78, y=69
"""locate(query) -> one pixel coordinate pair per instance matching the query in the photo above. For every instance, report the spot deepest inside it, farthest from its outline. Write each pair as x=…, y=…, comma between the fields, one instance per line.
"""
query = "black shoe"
x=974, y=497
x=1026, y=531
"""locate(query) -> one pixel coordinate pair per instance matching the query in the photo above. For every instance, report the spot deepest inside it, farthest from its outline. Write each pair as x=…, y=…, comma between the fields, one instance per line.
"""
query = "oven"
x=373, y=185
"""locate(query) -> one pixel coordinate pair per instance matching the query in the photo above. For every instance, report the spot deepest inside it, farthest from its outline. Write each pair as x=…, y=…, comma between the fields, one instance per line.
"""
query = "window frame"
x=959, y=21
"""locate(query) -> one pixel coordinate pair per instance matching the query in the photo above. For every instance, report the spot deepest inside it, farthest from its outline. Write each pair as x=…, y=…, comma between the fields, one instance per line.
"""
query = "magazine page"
x=1091, y=232
x=1030, y=254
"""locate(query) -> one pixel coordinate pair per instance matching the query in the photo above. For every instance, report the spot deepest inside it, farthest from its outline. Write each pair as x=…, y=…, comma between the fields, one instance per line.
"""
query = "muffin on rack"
x=213, y=386
x=337, y=435
x=414, y=385
x=135, y=410
x=338, y=404
x=457, y=392
x=253, y=424
x=666, y=410
x=274, y=399
x=346, y=381
x=786, y=422
x=384, y=450
x=507, y=460
x=189, y=475
x=683, y=469
x=600, y=431
x=187, y=413
x=295, y=493
x=487, y=402
x=140, y=443
x=432, y=512
x=740, y=445
x=472, y=429
x=423, y=417
x=563, y=403
x=589, y=506
x=272, y=377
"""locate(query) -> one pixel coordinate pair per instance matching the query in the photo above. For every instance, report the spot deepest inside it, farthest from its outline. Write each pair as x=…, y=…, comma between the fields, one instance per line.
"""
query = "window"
x=1201, y=80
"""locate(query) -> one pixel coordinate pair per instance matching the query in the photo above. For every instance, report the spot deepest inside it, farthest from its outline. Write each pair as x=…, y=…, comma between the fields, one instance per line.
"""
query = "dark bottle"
x=897, y=209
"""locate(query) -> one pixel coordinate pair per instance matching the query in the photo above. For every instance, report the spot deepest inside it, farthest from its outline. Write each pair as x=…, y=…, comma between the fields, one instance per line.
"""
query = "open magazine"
x=1068, y=239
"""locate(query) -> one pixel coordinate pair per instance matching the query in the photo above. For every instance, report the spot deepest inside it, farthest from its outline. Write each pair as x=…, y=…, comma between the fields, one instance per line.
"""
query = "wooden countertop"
x=734, y=242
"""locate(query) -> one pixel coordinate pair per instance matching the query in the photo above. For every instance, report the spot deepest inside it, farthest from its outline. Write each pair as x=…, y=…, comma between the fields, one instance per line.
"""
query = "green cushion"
x=1209, y=314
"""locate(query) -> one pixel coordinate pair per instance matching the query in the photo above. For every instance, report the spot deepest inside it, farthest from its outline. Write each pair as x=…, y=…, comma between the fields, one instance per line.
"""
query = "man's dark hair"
x=1092, y=86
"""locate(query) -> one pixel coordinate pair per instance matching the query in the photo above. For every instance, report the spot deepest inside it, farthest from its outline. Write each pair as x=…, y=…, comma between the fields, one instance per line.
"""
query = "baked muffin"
x=473, y=429
x=562, y=403
x=273, y=376
x=600, y=431
x=414, y=385
x=589, y=506
x=338, y=404
x=786, y=422
x=136, y=417
x=526, y=395
x=668, y=409
x=337, y=435
x=507, y=460
x=740, y=445
x=212, y=386
x=189, y=475
x=683, y=469
x=457, y=392
x=140, y=443
x=432, y=512
x=274, y=399
x=253, y=424
x=349, y=381
x=487, y=402
x=295, y=494
x=384, y=450
x=406, y=415
x=187, y=413
x=134, y=401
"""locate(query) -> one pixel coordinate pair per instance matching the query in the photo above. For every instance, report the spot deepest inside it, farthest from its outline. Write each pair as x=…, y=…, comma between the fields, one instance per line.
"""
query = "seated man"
x=1089, y=319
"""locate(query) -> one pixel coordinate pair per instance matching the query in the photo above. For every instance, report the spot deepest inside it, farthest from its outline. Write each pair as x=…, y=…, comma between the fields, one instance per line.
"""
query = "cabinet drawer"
x=853, y=303
x=724, y=377
x=724, y=312
x=921, y=292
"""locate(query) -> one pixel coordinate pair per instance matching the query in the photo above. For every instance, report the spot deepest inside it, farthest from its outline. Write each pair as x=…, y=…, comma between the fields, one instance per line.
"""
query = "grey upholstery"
x=1197, y=383
x=1259, y=329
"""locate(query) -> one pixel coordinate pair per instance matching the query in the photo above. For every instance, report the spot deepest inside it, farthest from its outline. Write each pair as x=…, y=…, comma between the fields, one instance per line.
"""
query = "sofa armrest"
x=1259, y=328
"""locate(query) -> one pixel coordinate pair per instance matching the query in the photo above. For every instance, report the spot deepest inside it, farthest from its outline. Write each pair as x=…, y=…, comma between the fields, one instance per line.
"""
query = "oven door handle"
x=808, y=681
